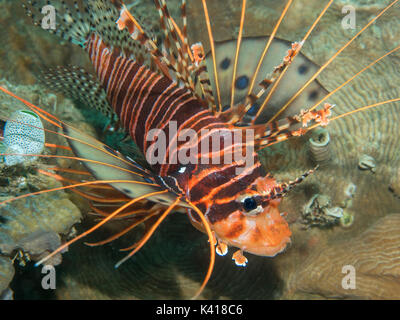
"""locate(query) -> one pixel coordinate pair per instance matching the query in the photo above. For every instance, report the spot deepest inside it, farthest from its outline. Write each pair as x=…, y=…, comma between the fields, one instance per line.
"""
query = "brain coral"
x=375, y=255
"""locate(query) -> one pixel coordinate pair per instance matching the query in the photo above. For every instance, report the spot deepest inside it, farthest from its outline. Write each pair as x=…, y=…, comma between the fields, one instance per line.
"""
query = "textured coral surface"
x=374, y=254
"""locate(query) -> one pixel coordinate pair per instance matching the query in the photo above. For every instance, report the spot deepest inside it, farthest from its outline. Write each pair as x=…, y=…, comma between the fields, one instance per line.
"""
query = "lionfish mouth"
x=266, y=234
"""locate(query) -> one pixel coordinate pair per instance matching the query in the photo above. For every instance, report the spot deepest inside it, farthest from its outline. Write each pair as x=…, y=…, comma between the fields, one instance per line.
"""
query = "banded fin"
x=75, y=22
x=175, y=60
x=119, y=30
x=203, y=85
x=181, y=48
x=77, y=83
x=299, y=72
x=105, y=16
x=107, y=164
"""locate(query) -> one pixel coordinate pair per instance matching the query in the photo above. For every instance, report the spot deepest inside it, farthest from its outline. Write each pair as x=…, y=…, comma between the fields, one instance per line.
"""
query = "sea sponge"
x=23, y=135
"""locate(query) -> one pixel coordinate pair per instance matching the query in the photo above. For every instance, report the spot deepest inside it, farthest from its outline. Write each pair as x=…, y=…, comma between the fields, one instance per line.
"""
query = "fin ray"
x=300, y=71
x=78, y=84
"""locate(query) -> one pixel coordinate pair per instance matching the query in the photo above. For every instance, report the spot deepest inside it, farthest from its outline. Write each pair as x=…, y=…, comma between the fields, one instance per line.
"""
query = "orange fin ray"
x=98, y=225
x=149, y=233
x=331, y=59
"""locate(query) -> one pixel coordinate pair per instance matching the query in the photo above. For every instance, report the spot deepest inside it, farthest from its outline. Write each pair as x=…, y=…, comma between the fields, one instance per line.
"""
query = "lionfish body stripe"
x=140, y=93
x=235, y=200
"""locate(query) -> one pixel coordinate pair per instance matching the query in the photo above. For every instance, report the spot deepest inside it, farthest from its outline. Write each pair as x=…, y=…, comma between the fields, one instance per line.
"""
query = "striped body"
x=144, y=100
x=202, y=156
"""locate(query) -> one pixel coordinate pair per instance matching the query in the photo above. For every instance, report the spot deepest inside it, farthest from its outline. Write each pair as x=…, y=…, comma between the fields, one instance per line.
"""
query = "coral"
x=34, y=226
x=320, y=152
x=394, y=185
x=375, y=256
x=23, y=135
x=347, y=219
x=6, y=275
x=366, y=162
x=24, y=220
x=318, y=212
x=40, y=243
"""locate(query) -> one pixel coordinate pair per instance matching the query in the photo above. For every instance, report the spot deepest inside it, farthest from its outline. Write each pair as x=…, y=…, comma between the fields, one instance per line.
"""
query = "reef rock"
x=32, y=224
x=32, y=227
x=53, y=212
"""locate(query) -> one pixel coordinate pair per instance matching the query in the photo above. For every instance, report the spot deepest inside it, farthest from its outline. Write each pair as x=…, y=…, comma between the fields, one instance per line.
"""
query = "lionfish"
x=174, y=87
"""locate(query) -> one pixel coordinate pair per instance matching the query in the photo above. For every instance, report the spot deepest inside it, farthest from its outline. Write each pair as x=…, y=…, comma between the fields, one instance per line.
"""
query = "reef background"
x=173, y=263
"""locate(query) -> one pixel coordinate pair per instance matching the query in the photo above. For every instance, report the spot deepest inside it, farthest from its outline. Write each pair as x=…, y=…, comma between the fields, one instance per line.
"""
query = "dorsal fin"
x=127, y=21
x=251, y=48
x=77, y=21
x=104, y=22
x=76, y=83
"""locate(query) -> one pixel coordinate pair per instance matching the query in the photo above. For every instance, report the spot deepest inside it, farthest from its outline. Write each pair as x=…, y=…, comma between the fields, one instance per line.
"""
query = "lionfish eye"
x=249, y=204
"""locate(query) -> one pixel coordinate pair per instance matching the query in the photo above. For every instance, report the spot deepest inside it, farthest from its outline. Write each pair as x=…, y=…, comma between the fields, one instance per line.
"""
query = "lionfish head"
x=254, y=223
x=256, y=226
